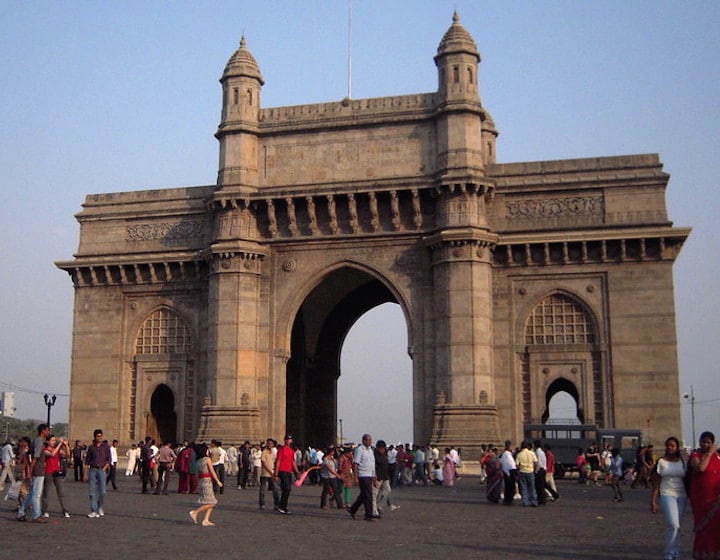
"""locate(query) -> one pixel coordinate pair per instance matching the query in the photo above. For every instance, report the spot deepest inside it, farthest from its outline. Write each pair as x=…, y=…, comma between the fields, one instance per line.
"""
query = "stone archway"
x=319, y=329
x=162, y=420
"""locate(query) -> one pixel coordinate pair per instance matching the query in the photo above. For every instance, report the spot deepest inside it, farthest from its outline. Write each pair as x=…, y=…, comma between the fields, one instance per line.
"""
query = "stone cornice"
x=592, y=247
x=458, y=237
x=129, y=271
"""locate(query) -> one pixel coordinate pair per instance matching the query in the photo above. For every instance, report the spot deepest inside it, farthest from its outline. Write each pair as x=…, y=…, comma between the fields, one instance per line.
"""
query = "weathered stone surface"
x=220, y=311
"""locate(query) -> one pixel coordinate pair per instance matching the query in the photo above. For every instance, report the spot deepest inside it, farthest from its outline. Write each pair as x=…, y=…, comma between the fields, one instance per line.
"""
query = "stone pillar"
x=231, y=409
x=465, y=414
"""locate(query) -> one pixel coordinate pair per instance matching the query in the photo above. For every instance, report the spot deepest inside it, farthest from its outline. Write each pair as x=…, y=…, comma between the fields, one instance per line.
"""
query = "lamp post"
x=341, y=432
x=49, y=402
x=691, y=398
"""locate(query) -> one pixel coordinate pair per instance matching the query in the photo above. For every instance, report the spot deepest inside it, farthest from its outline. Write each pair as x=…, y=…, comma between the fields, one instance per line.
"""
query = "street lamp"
x=341, y=432
x=49, y=402
x=691, y=398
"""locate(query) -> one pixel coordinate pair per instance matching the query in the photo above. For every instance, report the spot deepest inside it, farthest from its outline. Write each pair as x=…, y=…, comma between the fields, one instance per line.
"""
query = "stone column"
x=231, y=408
x=465, y=414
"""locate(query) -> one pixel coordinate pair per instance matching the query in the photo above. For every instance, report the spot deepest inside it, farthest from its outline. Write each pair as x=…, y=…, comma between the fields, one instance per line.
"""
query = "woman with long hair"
x=668, y=482
x=206, y=495
x=705, y=497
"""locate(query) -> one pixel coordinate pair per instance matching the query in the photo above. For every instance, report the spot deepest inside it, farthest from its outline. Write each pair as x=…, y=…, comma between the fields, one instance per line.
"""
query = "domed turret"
x=242, y=63
x=241, y=86
x=457, y=40
x=457, y=62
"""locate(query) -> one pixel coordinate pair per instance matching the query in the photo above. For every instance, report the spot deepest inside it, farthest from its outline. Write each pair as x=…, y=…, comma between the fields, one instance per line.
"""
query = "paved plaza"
x=431, y=522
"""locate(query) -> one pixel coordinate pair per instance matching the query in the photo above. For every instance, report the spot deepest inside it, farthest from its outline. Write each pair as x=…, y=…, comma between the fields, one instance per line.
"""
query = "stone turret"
x=466, y=131
x=238, y=131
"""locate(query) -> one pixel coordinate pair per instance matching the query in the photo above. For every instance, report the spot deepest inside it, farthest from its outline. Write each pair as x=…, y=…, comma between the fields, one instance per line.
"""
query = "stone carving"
x=553, y=207
x=165, y=230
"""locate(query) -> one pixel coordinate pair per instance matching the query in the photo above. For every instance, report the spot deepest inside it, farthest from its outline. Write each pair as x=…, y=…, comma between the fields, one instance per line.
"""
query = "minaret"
x=238, y=131
x=466, y=131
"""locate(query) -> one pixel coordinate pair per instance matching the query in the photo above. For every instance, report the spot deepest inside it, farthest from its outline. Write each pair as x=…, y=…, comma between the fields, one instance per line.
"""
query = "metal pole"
x=342, y=440
x=692, y=413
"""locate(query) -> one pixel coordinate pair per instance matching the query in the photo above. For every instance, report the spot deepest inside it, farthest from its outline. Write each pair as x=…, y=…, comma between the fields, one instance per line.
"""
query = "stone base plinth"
x=229, y=424
x=465, y=426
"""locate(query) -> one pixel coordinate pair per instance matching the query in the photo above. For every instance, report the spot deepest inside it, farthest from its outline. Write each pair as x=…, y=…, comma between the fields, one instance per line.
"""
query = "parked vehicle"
x=567, y=439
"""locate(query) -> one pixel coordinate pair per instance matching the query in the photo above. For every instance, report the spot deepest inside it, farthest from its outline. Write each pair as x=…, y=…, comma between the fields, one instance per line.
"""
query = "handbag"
x=13, y=492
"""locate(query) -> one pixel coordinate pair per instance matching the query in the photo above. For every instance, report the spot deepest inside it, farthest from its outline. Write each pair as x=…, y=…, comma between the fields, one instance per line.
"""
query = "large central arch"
x=319, y=329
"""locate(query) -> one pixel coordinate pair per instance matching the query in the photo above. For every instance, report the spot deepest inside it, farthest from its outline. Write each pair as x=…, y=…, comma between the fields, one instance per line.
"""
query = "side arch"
x=163, y=353
x=562, y=344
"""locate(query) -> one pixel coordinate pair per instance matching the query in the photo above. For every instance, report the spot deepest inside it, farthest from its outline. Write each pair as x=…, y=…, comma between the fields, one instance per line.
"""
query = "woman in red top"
x=705, y=497
x=55, y=452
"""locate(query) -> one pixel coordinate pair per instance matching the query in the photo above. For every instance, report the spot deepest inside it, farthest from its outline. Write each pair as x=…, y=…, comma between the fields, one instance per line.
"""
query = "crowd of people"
x=524, y=473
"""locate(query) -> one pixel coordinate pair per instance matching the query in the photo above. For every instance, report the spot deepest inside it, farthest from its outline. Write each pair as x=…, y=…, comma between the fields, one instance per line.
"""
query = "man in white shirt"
x=364, y=461
x=509, y=473
x=7, y=456
x=540, y=473
x=111, y=475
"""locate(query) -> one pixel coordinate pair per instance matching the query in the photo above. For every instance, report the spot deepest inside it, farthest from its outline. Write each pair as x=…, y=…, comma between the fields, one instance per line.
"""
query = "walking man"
x=37, y=470
x=364, y=461
x=97, y=464
x=267, y=469
x=284, y=469
x=7, y=458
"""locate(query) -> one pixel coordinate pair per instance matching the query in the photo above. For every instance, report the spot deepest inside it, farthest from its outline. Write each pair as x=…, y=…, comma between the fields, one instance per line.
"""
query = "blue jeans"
x=33, y=498
x=673, y=508
x=527, y=489
x=96, y=481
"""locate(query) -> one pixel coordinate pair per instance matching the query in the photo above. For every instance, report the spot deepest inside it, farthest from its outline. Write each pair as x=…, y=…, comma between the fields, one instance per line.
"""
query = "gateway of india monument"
x=220, y=311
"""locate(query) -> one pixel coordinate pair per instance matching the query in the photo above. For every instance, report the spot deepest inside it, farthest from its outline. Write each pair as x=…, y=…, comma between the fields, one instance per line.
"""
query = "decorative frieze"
x=554, y=207
x=183, y=229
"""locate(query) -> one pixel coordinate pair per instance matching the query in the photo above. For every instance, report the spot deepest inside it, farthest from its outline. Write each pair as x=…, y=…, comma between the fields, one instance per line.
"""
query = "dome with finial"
x=457, y=40
x=243, y=63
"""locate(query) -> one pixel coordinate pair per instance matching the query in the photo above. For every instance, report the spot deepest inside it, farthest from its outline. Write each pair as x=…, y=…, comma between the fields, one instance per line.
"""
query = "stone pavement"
x=433, y=522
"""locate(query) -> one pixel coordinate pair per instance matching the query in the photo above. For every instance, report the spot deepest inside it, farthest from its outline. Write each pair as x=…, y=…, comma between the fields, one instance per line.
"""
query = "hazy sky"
x=112, y=96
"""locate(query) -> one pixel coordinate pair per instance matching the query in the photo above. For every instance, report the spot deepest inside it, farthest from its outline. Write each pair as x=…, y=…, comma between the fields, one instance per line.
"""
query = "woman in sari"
x=448, y=470
x=705, y=497
x=493, y=475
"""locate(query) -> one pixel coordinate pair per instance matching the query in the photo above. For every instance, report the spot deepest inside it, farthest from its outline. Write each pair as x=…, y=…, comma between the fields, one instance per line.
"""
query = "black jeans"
x=285, y=488
x=509, y=490
x=365, y=497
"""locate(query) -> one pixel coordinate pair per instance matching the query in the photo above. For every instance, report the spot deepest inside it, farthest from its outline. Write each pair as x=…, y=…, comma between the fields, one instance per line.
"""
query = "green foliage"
x=16, y=428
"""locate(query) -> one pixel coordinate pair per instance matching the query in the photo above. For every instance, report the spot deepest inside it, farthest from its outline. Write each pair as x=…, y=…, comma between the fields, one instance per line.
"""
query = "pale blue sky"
x=100, y=97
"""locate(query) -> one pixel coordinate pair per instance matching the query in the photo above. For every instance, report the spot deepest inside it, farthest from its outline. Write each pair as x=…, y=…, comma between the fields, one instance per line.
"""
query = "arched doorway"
x=162, y=421
x=562, y=404
x=318, y=333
